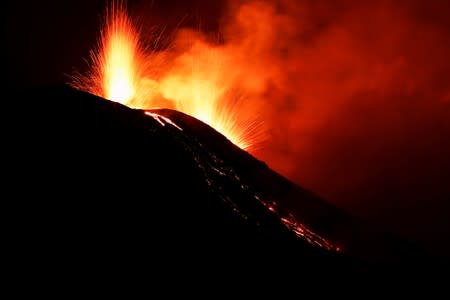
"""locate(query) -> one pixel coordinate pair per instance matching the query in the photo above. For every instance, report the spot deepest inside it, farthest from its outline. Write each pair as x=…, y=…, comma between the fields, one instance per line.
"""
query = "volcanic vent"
x=193, y=79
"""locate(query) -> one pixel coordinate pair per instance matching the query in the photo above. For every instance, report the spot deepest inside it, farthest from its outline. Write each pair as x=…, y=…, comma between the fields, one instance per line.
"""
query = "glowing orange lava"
x=119, y=58
x=115, y=63
x=194, y=82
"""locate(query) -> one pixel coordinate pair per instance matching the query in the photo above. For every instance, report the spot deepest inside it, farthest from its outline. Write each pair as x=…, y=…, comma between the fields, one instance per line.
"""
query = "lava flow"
x=193, y=83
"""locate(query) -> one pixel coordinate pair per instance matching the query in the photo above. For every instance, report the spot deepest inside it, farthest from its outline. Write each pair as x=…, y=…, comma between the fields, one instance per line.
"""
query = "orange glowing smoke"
x=194, y=82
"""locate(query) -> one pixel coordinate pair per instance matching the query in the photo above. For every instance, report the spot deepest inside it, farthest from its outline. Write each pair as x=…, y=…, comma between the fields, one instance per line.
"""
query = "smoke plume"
x=355, y=98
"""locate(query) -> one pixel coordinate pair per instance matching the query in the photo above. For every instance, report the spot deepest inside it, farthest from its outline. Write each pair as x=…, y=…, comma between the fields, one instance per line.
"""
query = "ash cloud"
x=355, y=97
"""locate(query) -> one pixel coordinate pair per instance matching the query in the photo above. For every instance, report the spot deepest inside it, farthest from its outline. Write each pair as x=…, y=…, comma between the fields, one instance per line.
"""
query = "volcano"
x=100, y=187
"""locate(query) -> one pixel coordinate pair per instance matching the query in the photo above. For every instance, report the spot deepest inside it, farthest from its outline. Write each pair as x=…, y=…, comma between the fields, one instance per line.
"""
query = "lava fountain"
x=114, y=63
x=193, y=83
x=118, y=62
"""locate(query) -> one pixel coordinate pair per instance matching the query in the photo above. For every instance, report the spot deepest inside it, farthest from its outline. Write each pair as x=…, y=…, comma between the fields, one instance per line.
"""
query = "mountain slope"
x=99, y=186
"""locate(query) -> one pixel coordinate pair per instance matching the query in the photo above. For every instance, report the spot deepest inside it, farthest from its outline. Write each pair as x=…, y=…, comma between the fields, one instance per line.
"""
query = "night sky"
x=364, y=115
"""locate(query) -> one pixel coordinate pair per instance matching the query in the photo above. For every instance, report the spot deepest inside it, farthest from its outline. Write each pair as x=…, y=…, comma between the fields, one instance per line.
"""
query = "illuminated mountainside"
x=100, y=185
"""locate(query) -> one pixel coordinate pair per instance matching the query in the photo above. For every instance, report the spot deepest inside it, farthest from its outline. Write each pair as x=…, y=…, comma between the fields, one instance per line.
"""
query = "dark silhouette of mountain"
x=103, y=190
